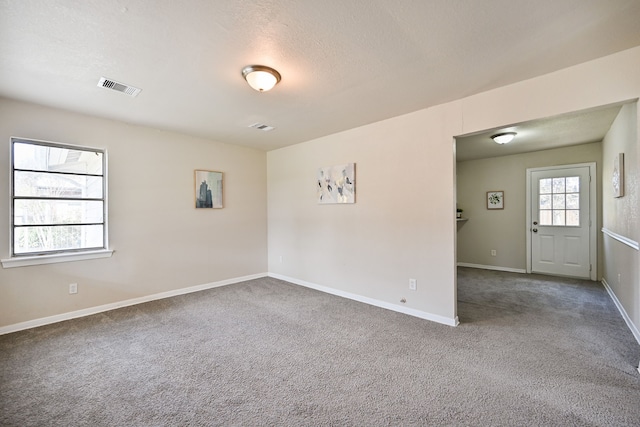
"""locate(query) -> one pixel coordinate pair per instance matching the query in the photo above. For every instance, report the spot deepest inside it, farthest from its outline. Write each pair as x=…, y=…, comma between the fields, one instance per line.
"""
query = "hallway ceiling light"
x=260, y=77
x=503, y=138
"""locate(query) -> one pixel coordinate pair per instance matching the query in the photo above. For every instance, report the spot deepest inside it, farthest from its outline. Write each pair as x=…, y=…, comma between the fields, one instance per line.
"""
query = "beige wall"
x=373, y=247
x=403, y=223
x=161, y=242
x=505, y=230
x=621, y=215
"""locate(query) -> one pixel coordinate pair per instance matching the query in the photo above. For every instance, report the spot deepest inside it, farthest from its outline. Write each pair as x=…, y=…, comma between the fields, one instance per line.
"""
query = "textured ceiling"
x=576, y=128
x=343, y=63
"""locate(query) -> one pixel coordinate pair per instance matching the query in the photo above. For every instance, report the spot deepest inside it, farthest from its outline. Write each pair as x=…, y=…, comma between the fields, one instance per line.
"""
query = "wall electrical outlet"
x=73, y=288
x=413, y=284
x=493, y=252
x=280, y=259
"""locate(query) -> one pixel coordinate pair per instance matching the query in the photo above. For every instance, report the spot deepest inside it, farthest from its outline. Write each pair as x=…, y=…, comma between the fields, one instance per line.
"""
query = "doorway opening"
x=498, y=239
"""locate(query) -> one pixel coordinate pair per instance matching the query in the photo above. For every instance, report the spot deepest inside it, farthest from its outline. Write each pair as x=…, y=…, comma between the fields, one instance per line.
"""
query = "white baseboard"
x=107, y=307
x=492, y=267
x=625, y=316
x=377, y=303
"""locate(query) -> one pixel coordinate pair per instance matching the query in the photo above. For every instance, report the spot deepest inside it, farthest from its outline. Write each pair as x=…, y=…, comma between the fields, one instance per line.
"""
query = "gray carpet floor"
x=530, y=350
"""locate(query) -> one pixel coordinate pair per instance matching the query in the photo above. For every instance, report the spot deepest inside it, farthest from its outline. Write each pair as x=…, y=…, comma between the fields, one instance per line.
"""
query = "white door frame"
x=593, y=212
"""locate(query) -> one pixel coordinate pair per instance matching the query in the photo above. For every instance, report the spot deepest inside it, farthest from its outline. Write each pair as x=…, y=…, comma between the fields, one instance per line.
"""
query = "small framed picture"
x=495, y=199
x=617, y=178
x=208, y=189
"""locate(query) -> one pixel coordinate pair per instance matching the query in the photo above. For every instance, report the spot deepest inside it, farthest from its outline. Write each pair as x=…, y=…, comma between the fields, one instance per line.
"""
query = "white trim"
x=627, y=241
x=593, y=213
x=527, y=219
x=108, y=307
x=24, y=261
x=492, y=267
x=625, y=316
x=377, y=303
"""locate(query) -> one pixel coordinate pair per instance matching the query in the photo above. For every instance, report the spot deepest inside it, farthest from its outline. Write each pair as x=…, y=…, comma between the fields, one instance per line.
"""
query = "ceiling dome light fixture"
x=503, y=138
x=260, y=77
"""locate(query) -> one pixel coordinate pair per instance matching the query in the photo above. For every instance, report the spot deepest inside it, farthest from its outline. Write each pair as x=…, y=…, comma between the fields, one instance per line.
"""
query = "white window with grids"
x=58, y=201
x=559, y=201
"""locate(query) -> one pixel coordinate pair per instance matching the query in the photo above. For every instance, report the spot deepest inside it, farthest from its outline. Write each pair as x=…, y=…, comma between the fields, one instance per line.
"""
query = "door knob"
x=535, y=230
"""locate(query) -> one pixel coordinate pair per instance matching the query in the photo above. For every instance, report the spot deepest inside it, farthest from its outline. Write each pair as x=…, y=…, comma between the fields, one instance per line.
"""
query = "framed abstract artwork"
x=208, y=189
x=337, y=184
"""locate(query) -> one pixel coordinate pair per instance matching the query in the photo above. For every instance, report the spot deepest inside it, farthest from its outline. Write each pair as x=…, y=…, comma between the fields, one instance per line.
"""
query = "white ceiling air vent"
x=117, y=86
x=260, y=126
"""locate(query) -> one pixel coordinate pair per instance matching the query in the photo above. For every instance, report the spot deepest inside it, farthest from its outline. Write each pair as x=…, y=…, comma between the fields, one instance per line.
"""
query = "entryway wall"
x=621, y=234
x=504, y=230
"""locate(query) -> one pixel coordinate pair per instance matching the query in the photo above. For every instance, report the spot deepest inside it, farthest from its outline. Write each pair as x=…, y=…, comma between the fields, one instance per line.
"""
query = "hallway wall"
x=621, y=216
x=505, y=230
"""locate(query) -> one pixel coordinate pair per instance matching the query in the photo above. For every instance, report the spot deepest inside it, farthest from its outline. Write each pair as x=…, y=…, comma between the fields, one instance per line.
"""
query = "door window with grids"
x=58, y=198
x=559, y=201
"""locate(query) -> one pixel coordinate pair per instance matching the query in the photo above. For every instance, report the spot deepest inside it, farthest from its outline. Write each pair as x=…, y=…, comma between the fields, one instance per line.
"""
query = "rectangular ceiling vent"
x=120, y=87
x=262, y=127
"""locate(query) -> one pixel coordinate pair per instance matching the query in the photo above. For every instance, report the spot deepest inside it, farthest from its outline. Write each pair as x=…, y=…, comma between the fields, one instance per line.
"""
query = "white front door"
x=560, y=221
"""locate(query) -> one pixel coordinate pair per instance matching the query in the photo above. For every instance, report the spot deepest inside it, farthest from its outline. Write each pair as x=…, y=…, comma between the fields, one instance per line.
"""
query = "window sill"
x=53, y=259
